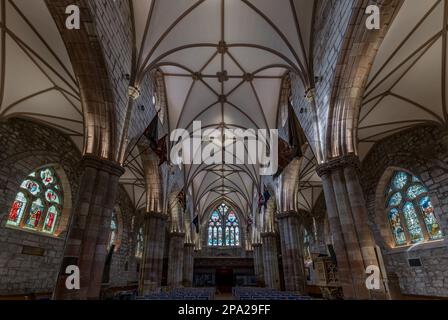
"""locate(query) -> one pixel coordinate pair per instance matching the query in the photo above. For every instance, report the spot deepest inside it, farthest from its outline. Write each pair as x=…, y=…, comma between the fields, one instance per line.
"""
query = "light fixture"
x=133, y=92
x=310, y=94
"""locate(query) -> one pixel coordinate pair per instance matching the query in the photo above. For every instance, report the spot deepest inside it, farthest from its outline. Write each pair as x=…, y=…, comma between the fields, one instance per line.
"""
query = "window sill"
x=442, y=243
x=38, y=234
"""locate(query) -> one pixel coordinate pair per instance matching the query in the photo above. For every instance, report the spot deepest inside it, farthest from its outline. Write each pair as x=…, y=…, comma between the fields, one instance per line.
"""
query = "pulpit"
x=327, y=278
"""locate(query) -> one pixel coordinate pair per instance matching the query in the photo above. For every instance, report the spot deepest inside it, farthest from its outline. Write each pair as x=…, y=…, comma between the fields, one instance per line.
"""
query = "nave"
x=129, y=171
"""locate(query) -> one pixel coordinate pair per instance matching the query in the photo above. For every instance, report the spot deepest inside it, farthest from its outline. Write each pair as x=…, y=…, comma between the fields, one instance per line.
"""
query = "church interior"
x=95, y=204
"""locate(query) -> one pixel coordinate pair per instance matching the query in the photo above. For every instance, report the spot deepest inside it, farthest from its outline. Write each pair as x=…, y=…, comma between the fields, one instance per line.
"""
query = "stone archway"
x=88, y=63
x=359, y=52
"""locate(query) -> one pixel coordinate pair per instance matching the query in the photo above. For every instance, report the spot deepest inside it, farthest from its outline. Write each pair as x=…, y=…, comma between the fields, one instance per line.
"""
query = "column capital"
x=268, y=234
x=287, y=214
x=175, y=234
x=101, y=164
x=349, y=160
x=189, y=245
x=256, y=245
x=156, y=215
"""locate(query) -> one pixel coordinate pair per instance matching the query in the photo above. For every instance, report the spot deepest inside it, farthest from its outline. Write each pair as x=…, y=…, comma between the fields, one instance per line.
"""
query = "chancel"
x=98, y=202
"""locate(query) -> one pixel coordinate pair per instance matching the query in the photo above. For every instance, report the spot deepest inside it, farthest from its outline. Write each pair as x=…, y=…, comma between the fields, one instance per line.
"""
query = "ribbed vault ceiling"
x=408, y=82
x=36, y=77
x=223, y=62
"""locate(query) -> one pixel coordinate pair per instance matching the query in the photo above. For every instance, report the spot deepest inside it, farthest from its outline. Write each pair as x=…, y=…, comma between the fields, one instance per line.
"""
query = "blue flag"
x=266, y=197
x=196, y=223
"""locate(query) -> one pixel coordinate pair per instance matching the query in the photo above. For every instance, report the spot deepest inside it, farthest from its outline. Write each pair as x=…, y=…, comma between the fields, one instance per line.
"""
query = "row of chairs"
x=251, y=293
x=181, y=294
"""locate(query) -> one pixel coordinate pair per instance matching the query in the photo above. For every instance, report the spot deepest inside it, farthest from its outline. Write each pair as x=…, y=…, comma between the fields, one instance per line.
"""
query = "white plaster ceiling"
x=36, y=78
x=407, y=85
x=263, y=38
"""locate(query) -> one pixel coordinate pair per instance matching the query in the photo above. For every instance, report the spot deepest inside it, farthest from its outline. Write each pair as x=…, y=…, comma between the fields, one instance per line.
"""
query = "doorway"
x=224, y=280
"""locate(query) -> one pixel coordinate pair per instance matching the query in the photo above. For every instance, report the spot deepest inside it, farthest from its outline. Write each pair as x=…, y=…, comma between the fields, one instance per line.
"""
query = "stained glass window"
x=113, y=228
x=307, y=246
x=38, y=204
x=222, y=234
x=414, y=229
x=397, y=227
x=237, y=236
x=17, y=209
x=410, y=212
x=416, y=190
x=52, y=196
x=220, y=243
x=53, y=213
x=395, y=200
x=31, y=186
x=400, y=179
x=139, y=244
x=430, y=220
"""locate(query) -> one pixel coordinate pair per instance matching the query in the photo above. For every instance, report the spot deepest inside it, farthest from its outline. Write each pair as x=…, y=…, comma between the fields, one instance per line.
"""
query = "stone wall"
x=114, y=29
x=318, y=228
x=113, y=22
x=25, y=146
x=421, y=152
x=124, y=270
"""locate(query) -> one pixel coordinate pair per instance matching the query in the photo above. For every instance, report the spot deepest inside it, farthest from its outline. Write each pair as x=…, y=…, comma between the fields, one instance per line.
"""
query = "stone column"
x=353, y=240
x=292, y=256
x=344, y=270
x=270, y=260
x=360, y=215
x=258, y=263
x=175, y=259
x=88, y=234
x=188, y=267
x=154, y=245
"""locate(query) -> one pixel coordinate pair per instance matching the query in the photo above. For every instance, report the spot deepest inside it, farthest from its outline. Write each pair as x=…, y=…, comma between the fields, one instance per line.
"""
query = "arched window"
x=223, y=228
x=139, y=244
x=38, y=204
x=306, y=246
x=113, y=228
x=409, y=210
